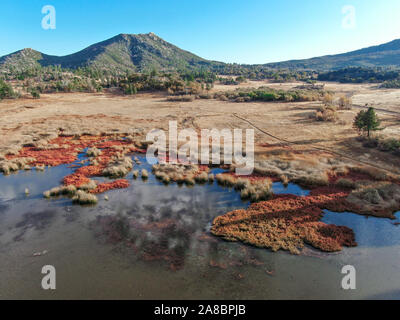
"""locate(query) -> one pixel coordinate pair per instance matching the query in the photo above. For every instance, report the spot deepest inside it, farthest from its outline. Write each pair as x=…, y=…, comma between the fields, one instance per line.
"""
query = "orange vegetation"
x=117, y=184
x=61, y=150
x=65, y=150
x=288, y=222
x=75, y=179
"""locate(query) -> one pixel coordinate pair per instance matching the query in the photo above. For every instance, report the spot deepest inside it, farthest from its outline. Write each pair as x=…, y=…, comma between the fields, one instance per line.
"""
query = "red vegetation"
x=117, y=184
x=65, y=150
x=288, y=222
x=75, y=179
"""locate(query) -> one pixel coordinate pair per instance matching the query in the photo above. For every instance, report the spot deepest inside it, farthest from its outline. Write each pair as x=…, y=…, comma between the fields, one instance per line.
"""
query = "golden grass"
x=8, y=166
x=83, y=197
x=309, y=172
x=249, y=190
x=69, y=190
x=376, y=198
x=145, y=174
x=93, y=152
x=118, y=167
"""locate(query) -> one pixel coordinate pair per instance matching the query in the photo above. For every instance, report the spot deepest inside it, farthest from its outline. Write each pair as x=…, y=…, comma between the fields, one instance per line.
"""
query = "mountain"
x=135, y=52
x=385, y=55
x=141, y=52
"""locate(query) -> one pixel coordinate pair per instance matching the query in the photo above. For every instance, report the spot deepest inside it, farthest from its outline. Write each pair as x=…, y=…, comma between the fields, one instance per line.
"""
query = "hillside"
x=141, y=52
x=385, y=55
x=123, y=52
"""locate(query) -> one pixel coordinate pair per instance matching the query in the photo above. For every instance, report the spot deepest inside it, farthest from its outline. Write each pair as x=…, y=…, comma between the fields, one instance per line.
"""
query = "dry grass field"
x=23, y=121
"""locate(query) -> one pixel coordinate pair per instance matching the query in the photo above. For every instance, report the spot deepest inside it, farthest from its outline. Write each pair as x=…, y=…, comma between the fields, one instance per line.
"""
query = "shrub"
x=205, y=96
x=326, y=114
x=181, y=98
x=345, y=103
x=327, y=99
x=346, y=183
x=389, y=145
x=6, y=90
x=35, y=93
x=371, y=143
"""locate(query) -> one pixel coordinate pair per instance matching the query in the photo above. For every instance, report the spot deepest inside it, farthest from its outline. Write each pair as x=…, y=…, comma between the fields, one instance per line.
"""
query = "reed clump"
x=82, y=197
x=188, y=174
x=118, y=167
x=69, y=190
x=93, y=152
x=145, y=174
x=8, y=166
x=253, y=191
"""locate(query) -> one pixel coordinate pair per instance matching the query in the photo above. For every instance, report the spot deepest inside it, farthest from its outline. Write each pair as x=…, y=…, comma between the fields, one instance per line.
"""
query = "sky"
x=235, y=31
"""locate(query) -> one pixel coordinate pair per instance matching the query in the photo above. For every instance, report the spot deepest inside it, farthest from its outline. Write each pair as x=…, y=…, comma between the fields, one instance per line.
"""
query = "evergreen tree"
x=367, y=121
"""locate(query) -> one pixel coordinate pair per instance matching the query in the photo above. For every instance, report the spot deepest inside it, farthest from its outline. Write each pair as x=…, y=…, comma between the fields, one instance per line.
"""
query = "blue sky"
x=252, y=31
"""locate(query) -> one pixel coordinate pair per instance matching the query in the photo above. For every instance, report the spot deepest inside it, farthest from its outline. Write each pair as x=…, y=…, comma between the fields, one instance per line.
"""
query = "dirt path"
x=314, y=147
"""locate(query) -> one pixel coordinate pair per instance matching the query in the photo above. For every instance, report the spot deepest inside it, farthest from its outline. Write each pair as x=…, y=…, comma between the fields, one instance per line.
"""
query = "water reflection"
x=161, y=233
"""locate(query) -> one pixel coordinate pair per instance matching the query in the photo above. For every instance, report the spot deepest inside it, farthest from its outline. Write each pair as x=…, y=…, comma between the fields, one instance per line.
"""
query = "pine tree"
x=367, y=121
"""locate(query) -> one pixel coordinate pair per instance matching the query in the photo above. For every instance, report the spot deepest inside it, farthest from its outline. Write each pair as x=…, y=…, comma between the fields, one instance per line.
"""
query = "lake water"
x=170, y=254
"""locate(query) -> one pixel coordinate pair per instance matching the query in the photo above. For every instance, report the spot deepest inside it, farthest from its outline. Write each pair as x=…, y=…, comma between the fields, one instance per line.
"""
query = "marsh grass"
x=93, y=152
x=118, y=167
x=307, y=171
x=69, y=190
x=91, y=185
x=83, y=197
x=188, y=174
x=253, y=191
x=8, y=166
x=145, y=174
x=376, y=198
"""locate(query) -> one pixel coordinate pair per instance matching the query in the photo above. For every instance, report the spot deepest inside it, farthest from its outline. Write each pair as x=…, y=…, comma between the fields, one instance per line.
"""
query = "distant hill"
x=386, y=55
x=141, y=52
x=135, y=52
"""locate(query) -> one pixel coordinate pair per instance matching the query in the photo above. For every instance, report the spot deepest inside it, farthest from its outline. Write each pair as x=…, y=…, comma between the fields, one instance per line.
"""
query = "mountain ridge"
x=384, y=55
x=141, y=52
x=133, y=52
